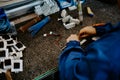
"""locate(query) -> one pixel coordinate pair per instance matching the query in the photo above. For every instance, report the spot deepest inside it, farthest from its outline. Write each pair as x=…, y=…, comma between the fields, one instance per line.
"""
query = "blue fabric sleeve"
x=69, y=61
x=74, y=65
x=106, y=28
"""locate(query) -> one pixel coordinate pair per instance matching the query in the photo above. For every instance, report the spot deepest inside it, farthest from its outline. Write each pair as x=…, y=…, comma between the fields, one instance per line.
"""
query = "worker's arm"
x=101, y=30
x=97, y=30
x=70, y=59
x=75, y=64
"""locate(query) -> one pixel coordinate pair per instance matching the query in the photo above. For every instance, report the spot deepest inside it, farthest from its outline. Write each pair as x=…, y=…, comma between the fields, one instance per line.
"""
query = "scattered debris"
x=51, y=33
x=68, y=21
x=10, y=54
x=89, y=11
x=66, y=3
x=72, y=8
x=64, y=13
x=3, y=54
x=76, y=21
x=46, y=7
x=17, y=65
x=69, y=25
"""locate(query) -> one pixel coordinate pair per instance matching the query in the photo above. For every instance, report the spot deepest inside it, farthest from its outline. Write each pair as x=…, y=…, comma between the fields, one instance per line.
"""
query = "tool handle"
x=90, y=13
x=8, y=75
x=29, y=24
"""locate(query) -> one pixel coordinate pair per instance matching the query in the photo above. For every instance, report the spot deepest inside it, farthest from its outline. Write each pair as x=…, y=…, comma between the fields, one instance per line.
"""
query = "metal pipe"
x=22, y=9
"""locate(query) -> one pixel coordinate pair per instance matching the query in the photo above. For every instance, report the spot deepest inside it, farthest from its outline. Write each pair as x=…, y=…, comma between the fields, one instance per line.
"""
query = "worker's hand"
x=72, y=37
x=87, y=31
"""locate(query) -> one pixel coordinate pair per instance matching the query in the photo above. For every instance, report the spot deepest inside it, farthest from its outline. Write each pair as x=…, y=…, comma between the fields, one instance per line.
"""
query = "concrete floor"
x=42, y=53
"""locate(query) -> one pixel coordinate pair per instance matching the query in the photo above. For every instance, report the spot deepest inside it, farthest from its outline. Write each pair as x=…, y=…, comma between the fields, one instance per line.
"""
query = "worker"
x=100, y=60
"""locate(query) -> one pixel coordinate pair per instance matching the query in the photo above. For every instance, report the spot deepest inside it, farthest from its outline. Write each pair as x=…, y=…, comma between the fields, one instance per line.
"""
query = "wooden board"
x=24, y=18
x=7, y=2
